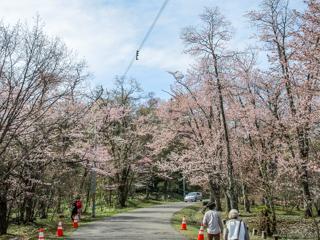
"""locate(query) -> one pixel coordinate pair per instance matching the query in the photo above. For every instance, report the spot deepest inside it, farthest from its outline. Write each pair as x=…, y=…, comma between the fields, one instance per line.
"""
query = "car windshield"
x=192, y=194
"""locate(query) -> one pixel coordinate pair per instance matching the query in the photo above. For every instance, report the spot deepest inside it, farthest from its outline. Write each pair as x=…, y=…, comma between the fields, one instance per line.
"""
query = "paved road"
x=151, y=223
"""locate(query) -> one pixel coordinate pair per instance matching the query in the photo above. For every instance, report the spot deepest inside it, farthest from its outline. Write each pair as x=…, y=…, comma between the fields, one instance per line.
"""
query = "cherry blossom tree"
x=36, y=73
x=209, y=42
x=123, y=134
x=277, y=26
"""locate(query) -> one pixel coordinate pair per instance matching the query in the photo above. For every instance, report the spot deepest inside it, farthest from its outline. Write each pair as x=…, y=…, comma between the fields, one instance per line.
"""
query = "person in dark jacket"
x=74, y=210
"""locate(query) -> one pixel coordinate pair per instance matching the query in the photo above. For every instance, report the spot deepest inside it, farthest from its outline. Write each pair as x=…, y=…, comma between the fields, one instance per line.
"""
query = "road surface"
x=152, y=223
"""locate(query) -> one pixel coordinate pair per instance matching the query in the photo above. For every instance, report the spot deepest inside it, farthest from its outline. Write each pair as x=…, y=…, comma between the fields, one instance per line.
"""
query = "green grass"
x=193, y=217
x=287, y=221
x=30, y=231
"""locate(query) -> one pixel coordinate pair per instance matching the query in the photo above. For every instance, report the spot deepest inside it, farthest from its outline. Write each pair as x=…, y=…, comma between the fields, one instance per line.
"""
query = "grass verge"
x=193, y=217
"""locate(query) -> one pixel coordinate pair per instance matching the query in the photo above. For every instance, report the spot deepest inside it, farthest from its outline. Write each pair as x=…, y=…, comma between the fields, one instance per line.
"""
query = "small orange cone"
x=60, y=230
x=75, y=221
x=201, y=233
x=41, y=234
x=184, y=223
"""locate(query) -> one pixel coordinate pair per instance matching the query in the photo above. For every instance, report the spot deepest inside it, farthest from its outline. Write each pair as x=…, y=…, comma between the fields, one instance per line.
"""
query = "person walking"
x=79, y=206
x=74, y=210
x=236, y=228
x=212, y=221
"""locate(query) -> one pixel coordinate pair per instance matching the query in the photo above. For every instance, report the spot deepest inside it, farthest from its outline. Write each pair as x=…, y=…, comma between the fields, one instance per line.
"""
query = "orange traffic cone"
x=201, y=233
x=41, y=234
x=75, y=221
x=184, y=223
x=60, y=230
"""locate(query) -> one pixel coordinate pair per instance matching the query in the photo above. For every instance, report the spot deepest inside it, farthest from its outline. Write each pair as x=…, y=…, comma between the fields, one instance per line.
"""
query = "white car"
x=193, y=197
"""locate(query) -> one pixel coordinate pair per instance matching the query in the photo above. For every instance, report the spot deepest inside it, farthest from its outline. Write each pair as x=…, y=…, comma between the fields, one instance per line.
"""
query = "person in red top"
x=78, y=205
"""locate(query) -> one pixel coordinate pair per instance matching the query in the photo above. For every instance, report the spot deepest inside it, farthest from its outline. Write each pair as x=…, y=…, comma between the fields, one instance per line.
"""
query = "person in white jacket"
x=235, y=229
x=212, y=221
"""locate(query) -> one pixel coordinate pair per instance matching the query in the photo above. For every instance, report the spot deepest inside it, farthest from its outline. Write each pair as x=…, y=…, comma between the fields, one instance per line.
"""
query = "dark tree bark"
x=3, y=212
x=227, y=201
x=124, y=186
x=87, y=201
x=272, y=210
x=43, y=210
x=215, y=194
x=165, y=190
x=29, y=210
x=122, y=196
x=246, y=201
x=22, y=211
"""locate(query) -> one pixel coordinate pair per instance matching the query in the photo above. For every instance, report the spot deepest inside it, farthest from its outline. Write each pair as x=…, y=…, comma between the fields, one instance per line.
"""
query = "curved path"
x=144, y=223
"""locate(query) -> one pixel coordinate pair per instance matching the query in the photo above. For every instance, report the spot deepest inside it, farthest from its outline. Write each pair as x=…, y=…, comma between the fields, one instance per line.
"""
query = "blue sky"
x=107, y=33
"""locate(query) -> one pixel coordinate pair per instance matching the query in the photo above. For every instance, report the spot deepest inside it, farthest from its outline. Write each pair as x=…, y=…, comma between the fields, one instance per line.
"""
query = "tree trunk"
x=29, y=210
x=87, y=197
x=110, y=198
x=83, y=181
x=271, y=208
x=147, y=193
x=212, y=197
x=317, y=205
x=125, y=182
x=227, y=201
x=43, y=210
x=3, y=213
x=59, y=210
x=165, y=192
x=218, y=199
x=93, y=209
x=246, y=202
x=122, y=196
x=22, y=211
x=304, y=153
x=307, y=195
x=231, y=182
x=215, y=195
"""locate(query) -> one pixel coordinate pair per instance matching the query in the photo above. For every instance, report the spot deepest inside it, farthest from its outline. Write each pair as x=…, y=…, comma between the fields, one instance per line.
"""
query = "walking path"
x=152, y=223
